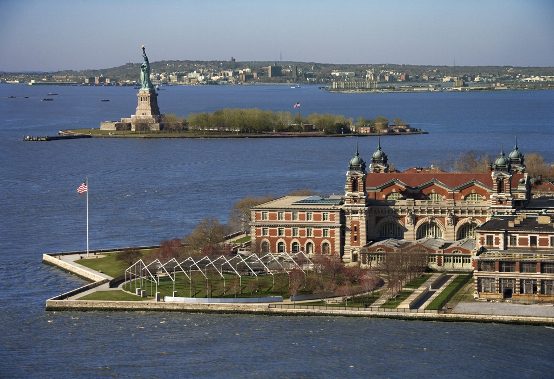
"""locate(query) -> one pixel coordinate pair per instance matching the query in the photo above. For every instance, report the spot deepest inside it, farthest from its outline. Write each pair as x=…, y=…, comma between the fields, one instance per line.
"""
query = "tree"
x=399, y=122
x=537, y=167
x=174, y=123
x=296, y=279
x=240, y=217
x=207, y=238
x=302, y=192
x=472, y=162
x=170, y=249
x=129, y=256
x=252, y=286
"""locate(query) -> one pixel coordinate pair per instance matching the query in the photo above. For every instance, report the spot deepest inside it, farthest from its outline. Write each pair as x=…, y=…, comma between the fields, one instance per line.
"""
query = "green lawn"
x=112, y=295
x=417, y=282
x=249, y=286
x=108, y=264
x=242, y=240
x=400, y=297
x=448, y=292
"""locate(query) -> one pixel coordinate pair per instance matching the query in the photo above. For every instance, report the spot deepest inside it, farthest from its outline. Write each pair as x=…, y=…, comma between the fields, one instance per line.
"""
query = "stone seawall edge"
x=265, y=309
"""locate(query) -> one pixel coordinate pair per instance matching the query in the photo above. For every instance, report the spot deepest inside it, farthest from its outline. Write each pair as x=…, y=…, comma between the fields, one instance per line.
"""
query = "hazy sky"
x=78, y=34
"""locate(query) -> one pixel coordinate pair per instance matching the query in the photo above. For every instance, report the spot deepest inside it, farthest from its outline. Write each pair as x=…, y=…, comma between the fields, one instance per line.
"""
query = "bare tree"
x=296, y=279
x=129, y=256
x=537, y=167
x=207, y=239
x=170, y=249
x=302, y=192
x=240, y=217
x=252, y=286
x=472, y=162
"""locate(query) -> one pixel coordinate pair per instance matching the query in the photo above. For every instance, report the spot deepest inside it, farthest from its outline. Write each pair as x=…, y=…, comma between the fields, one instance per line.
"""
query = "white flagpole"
x=86, y=181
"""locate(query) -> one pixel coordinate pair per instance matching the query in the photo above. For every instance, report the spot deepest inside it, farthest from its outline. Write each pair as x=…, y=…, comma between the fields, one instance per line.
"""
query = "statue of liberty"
x=145, y=72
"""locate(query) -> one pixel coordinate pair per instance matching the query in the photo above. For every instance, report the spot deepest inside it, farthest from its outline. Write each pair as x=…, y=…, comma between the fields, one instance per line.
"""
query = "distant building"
x=274, y=71
x=354, y=85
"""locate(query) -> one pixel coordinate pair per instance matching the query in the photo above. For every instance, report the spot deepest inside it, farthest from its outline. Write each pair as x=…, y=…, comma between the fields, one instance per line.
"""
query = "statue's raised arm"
x=145, y=72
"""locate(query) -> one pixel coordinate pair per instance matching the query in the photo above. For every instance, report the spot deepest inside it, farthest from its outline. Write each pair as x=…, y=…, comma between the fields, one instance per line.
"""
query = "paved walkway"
x=418, y=291
x=72, y=258
x=492, y=308
x=438, y=291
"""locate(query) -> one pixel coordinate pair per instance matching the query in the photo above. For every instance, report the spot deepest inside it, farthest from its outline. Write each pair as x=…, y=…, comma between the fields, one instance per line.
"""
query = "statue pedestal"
x=147, y=115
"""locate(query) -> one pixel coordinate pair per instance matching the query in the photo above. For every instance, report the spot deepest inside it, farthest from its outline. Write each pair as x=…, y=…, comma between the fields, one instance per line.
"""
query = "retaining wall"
x=74, y=268
x=85, y=305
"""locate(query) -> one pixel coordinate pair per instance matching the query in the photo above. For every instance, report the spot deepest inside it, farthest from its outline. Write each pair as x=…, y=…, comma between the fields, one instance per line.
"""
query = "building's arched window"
x=435, y=197
x=281, y=247
x=354, y=184
x=473, y=198
x=391, y=229
x=466, y=231
x=265, y=247
x=325, y=248
x=309, y=248
x=393, y=196
x=429, y=229
x=295, y=247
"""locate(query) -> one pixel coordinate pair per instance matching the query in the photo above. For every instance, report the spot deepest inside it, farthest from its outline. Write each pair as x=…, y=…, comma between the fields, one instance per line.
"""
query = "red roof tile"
x=412, y=178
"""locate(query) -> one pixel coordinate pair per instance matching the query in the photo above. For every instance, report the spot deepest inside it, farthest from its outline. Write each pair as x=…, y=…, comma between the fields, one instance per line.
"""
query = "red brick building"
x=380, y=204
x=311, y=224
x=515, y=258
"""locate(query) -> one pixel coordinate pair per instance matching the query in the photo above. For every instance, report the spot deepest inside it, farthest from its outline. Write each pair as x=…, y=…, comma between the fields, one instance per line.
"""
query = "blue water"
x=144, y=191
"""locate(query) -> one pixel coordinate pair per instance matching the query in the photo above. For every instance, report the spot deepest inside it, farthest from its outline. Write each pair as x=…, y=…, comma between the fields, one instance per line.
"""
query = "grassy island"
x=251, y=123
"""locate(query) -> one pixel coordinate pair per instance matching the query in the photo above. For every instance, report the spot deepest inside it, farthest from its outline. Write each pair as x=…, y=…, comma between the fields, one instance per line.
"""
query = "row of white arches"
x=430, y=228
x=295, y=247
x=435, y=197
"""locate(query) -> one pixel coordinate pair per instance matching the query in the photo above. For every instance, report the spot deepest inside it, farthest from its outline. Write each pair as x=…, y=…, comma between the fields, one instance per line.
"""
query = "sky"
x=52, y=35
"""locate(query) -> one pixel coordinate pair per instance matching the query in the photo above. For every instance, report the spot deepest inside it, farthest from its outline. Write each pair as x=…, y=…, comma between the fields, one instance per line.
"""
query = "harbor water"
x=143, y=191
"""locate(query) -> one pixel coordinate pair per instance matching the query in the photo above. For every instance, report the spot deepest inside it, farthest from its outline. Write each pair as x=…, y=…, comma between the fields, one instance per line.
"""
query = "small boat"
x=26, y=97
x=105, y=100
x=47, y=99
x=52, y=94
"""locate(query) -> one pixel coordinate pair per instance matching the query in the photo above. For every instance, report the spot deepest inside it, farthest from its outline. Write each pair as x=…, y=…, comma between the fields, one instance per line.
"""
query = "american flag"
x=82, y=188
x=296, y=105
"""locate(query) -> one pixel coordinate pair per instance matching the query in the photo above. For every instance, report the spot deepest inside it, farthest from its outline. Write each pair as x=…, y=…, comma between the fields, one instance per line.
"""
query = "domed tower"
x=501, y=182
x=355, y=179
x=355, y=209
x=379, y=160
x=516, y=158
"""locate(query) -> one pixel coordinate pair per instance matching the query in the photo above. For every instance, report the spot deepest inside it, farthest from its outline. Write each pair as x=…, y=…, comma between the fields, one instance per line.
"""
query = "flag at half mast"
x=82, y=188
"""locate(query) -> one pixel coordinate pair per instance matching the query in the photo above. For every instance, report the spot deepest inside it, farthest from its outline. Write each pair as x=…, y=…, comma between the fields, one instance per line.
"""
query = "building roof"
x=468, y=243
x=302, y=202
x=452, y=180
x=516, y=253
x=527, y=223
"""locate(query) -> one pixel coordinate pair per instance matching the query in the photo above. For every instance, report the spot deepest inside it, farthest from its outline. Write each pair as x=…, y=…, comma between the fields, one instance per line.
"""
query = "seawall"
x=74, y=268
x=97, y=305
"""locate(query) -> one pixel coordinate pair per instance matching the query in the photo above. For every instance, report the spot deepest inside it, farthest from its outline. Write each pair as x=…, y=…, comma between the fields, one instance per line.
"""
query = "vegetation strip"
x=448, y=292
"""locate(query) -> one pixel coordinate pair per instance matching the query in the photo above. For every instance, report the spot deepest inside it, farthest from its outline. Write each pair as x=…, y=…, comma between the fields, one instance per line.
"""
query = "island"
x=149, y=122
